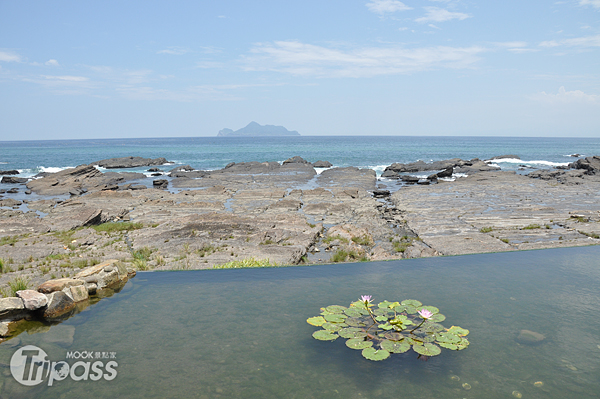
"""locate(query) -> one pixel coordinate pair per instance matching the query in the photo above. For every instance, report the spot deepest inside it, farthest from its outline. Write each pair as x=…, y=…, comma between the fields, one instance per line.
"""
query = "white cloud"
x=436, y=14
x=587, y=41
x=383, y=6
x=174, y=51
x=515, y=47
x=593, y=3
x=309, y=60
x=564, y=97
x=67, y=78
x=9, y=57
x=51, y=63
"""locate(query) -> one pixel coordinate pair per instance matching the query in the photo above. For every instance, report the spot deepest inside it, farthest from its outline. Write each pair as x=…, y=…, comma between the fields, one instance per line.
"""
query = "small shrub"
x=18, y=284
x=159, y=260
x=244, y=263
x=1, y=266
x=343, y=255
x=505, y=240
x=485, y=229
x=363, y=240
x=341, y=239
x=9, y=240
x=44, y=269
x=140, y=264
x=81, y=263
x=267, y=242
x=142, y=254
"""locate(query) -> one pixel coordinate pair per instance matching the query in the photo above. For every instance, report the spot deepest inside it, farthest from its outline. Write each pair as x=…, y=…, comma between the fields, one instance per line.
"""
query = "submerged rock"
x=528, y=337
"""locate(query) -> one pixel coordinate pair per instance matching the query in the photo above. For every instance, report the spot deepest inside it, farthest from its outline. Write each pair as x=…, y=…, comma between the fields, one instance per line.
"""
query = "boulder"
x=77, y=293
x=322, y=164
x=59, y=305
x=590, y=164
x=32, y=299
x=505, y=157
x=58, y=285
x=381, y=193
x=528, y=337
x=129, y=162
x=11, y=306
x=13, y=180
x=9, y=172
x=295, y=159
x=104, y=274
x=160, y=184
x=183, y=168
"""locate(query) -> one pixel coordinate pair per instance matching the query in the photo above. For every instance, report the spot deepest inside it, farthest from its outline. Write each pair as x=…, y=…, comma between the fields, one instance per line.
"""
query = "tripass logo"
x=30, y=366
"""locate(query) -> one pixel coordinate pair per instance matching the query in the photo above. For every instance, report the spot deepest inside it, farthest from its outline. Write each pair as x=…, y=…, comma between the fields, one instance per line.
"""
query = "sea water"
x=374, y=152
x=243, y=333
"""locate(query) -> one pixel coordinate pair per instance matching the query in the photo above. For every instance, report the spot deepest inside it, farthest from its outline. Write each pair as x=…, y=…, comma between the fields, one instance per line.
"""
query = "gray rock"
x=183, y=168
x=322, y=164
x=32, y=299
x=58, y=284
x=9, y=172
x=59, y=305
x=590, y=164
x=129, y=162
x=505, y=157
x=528, y=337
x=10, y=307
x=160, y=184
x=295, y=159
x=13, y=180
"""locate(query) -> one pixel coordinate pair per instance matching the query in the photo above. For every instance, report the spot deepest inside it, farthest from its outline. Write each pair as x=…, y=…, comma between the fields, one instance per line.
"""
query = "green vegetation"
x=140, y=264
x=580, y=219
x=65, y=237
x=142, y=254
x=363, y=240
x=341, y=239
x=9, y=240
x=112, y=227
x=532, y=227
x=505, y=240
x=267, y=242
x=248, y=262
x=1, y=266
x=485, y=229
x=18, y=284
x=80, y=263
x=591, y=235
x=343, y=255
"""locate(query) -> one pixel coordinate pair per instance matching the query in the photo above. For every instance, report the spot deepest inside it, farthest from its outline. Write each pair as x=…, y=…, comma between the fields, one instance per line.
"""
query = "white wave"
x=52, y=169
x=320, y=170
x=495, y=162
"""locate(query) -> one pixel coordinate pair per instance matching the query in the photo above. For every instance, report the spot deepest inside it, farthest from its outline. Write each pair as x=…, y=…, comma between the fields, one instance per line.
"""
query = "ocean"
x=374, y=152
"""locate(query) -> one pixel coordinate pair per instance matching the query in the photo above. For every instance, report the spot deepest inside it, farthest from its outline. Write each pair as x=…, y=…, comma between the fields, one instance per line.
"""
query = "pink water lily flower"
x=426, y=314
x=366, y=299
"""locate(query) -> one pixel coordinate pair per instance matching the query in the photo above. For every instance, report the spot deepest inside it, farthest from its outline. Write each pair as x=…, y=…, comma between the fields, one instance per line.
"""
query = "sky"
x=127, y=69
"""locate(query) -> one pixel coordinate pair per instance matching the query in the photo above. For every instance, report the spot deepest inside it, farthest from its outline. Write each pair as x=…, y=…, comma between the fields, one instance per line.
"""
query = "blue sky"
x=95, y=69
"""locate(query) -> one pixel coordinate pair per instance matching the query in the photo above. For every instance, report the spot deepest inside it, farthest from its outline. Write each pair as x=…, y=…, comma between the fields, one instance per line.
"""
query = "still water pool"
x=243, y=333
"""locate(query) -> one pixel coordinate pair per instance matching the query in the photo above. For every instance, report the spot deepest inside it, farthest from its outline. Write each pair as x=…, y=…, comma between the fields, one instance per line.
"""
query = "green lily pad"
x=384, y=304
x=353, y=312
x=399, y=308
x=333, y=327
x=438, y=317
x=463, y=343
x=458, y=331
x=409, y=309
x=395, y=346
x=411, y=302
x=324, y=335
x=358, y=305
x=453, y=347
x=354, y=322
x=386, y=326
x=427, y=349
x=393, y=336
x=381, y=318
x=401, y=320
x=317, y=321
x=336, y=309
x=393, y=305
x=376, y=355
x=358, y=343
x=446, y=337
x=381, y=312
x=430, y=327
x=352, y=332
x=335, y=318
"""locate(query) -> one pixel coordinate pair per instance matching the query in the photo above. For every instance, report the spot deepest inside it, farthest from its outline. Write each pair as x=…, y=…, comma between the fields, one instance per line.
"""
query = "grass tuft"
x=113, y=227
x=244, y=263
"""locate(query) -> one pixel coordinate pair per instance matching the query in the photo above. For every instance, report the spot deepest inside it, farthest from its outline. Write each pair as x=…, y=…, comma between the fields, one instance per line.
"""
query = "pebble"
x=517, y=394
x=455, y=378
x=466, y=386
x=538, y=384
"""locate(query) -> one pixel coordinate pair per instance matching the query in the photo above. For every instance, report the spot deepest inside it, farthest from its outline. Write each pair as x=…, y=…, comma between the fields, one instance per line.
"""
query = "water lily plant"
x=378, y=331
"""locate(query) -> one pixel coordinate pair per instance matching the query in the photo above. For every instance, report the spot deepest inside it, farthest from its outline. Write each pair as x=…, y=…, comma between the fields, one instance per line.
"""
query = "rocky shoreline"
x=287, y=214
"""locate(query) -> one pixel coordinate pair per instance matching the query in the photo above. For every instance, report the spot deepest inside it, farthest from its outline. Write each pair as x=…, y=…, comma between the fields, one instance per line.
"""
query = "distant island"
x=254, y=129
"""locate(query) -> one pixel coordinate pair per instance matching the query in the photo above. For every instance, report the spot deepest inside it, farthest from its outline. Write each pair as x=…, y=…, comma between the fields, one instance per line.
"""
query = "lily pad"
x=354, y=322
x=410, y=309
x=324, y=335
x=384, y=304
x=353, y=312
x=333, y=327
x=381, y=318
x=430, y=327
x=352, y=332
x=336, y=309
x=381, y=312
x=395, y=346
x=411, y=302
x=446, y=337
x=358, y=343
x=386, y=326
x=438, y=317
x=458, y=331
x=335, y=318
x=393, y=336
x=427, y=349
x=376, y=355
x=317, y=321
x=401, y=320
